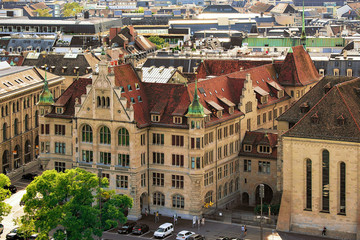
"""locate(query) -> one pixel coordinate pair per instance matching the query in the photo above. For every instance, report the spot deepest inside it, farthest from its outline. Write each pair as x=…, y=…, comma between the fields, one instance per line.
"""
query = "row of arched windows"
x=105, y=135
x=325, y=184
x=228, y=188
x=178, y=201
x=103, y=102
x=16, y=126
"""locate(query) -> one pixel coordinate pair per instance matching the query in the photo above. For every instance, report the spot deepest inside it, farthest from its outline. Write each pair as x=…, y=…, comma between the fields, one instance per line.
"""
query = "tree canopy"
x=4, y=194
x=68, y=204
x=71, y=9
x=158, y=41
x=43, y=12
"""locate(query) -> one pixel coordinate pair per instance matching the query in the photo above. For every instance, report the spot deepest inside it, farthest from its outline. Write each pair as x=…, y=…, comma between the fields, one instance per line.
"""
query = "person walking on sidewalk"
x=242, y=230
x=194, y=221
x=198, y=222
x=203, y=221
x=323, y=231
x=245, y=231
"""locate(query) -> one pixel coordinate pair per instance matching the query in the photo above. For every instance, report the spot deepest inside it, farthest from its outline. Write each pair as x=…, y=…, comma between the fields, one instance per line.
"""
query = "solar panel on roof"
x=201, y=90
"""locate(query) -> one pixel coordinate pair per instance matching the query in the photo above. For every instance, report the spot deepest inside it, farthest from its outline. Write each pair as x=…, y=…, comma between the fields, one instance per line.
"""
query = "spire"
x=46, y=98
x=195, y=109
x=303, y=34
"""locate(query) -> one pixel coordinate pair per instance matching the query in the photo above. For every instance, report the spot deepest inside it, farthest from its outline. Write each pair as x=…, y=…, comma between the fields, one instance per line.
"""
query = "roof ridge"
x=347, y=106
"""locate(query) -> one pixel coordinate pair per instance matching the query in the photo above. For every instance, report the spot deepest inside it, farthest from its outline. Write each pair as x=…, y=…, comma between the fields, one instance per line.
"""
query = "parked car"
x=223, y=238
x=127, y=227
x=196, y=237
x=164, y=230
x=12, y=188
x=29, y=176
x=140, y=229
x=235, y=238
x=184, y=234
x=14, y=235
x=1, y=228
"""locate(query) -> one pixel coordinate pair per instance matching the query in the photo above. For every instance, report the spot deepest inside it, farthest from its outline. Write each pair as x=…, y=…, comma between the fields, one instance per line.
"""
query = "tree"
x=71, y=9
x=43, y=12
x=4, y=194
x=69, y=202
x=158, y=41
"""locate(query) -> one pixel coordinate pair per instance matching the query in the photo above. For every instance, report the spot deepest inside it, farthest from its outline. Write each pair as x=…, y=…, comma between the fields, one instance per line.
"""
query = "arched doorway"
x=17, y=155
x=144, y=202
x=267, y=192
x=5, y=162
x=245, y=199
x=27, y=149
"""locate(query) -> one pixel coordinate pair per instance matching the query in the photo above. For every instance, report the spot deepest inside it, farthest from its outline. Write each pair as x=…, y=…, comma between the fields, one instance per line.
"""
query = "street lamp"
x=262, y=194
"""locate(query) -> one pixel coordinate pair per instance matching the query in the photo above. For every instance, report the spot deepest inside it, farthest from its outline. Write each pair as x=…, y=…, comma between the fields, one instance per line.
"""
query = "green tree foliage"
x=158, y=41
x=4, y=194
x=43, y=12
x=69, y=202
x=71, y=9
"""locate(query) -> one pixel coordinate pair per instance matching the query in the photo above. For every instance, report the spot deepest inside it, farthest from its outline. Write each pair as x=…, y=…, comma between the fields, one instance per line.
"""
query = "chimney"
x=248, y=77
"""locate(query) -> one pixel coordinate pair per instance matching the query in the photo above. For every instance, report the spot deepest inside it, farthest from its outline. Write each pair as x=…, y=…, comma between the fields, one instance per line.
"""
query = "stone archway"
x=144, y=203
x=245, y=199
x=268, y=194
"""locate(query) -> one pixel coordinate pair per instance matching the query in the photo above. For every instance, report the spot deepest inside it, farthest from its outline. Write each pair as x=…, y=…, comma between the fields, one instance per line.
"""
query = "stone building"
x=321, y=160
x=19, y=93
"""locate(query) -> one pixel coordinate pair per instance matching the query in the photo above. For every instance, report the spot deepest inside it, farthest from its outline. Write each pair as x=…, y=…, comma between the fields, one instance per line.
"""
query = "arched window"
x=308, y=184
x=103, y=101
x=208, y=197
x=26, y=122
x=219, y=192
x=86, y=134
x=16, y=126
x=4, y=131
x=36, y=118
x=105, y=135
x=342, y=188
x=158, y=199
x=225, y=189
x=325, y=181
x=107, y=102
x=231, y=186
x=98, y=101
x=237, y=184
x=178, y=201
x=27, y=149
x=123, y=136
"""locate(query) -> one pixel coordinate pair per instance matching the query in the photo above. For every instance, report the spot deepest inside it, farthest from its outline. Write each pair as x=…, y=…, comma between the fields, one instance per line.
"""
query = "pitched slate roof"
x=298, y=69
x=256, y=138
x=337, y=115
x=67, y=99
x=313, y=96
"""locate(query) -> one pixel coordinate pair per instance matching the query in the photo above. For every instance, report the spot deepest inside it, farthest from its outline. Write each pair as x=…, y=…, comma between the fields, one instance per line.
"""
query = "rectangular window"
x=264, y=117
x=105, y=158
x=143, y=180
x=231, y=167
x=208, y=178
x=60, y=166
x=122, y=181
x=219, y=134
x=177, y=181
x=226, y=129
x=264, y=149
x=219, y=153
x=308, y=185
x=158, y=179
x=42, y=129
x=325, y=182
x=143, y=159
x=177, y=140
x=237, y=165
x=264, y=167
x=237, y=127
x=178, y=160
x=158, y=139
x=231, y=130
x=47, y=129
x=247, y=148
x=87, y=156
x=247, y=165
x=275, y=113
x=195, y=143
x=270, y=115
x=258, y=120
x=231, y=148
x=123, y=160
x=209, y=158
x=196, y=162
x=225, y=150
x=237, y=145
x=211, y=177
x=60, y=148
x=211, y=137
x=226, y=170
x=59, y=129
x=248, y=124
x=143, y=142
x=219, y=173
x=158, y=158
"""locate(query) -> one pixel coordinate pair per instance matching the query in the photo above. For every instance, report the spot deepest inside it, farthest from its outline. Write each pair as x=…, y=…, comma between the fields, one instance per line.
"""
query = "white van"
x=164, y=230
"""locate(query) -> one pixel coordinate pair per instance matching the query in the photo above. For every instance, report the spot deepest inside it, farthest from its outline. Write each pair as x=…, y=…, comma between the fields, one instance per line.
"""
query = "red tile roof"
x=259, y=138
x=298, y=69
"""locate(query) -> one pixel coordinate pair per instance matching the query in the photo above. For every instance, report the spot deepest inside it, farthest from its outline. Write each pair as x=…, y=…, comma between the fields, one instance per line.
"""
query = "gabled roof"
x=283, y=8
x=260, y=137
x=260, y=7
x=298, y=69
x=294, y=114
x=144, y=44
x=342, y=100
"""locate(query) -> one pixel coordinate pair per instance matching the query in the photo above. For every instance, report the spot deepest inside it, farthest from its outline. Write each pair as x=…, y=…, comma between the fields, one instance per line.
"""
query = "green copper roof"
x=12, y=63
x=46, y=98
x=294, y=41
x=195, y=108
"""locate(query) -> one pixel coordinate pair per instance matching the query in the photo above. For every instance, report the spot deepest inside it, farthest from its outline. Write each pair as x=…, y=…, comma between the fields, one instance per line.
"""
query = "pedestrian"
x=245, y=231
x=157, y=216
x=324, y=231
x=242, y=230
x=146, y=211
x=194, y=221
x=174, y=218
x=198, y=222
x=203, y=221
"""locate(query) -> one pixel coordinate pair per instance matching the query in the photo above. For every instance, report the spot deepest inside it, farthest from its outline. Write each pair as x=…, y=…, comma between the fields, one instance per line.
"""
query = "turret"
x=195, y=112
x=46, y=99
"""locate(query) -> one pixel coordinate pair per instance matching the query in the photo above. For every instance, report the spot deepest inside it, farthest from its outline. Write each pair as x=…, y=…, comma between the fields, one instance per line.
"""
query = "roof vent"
x=341, y=120
x=315, y=118
x=327, y=87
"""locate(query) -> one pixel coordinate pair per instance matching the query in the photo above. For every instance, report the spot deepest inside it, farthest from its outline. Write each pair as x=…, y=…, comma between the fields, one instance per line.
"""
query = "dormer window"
x=177, y=120
x=219, y=114
x=280, y=93
x=264, y=99
x=139, y=99
x=340, y=120
x=129, y=88
x=207, y=118
x=132, y=100
x=76, y=69
x=315, y=118
x=304, y=107
x=247, y=148
x=327, y=87
x=264, y=149
x=137, y=86
x=122, y=89
x=231, y=110
x=155, y=118
x=52, y=68
x=88, y=69
x=64, y=68
x=59, y=110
